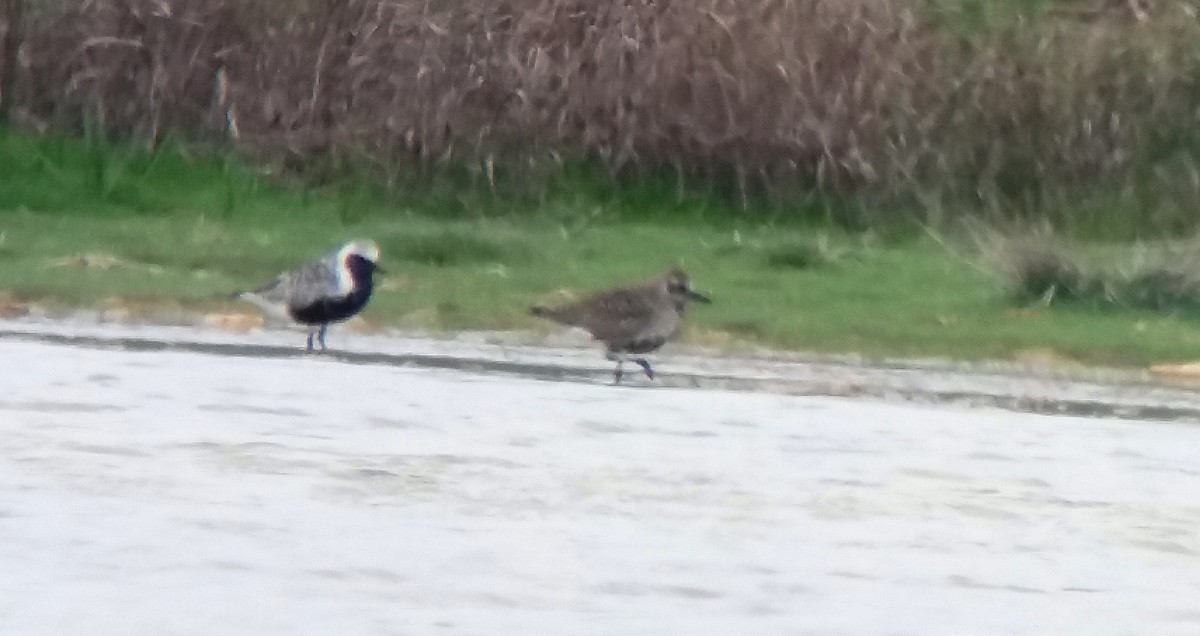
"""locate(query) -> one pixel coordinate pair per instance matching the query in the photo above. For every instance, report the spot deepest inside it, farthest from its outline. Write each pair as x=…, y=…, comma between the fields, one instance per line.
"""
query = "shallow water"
x=185, y=493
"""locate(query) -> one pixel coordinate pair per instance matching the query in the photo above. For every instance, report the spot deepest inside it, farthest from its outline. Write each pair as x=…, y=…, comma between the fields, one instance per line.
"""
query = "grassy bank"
x=83, y=226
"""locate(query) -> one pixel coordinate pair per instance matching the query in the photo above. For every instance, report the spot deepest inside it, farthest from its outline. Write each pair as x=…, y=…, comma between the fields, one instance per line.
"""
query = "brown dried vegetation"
x=778, y=97
x=1043, y=267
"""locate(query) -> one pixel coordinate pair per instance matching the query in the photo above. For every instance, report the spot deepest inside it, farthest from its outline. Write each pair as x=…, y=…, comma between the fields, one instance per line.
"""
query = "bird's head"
x=360, y=255
x=679, y=287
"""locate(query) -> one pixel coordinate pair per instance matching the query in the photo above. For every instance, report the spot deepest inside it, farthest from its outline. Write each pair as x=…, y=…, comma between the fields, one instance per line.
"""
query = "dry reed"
x=848, y=98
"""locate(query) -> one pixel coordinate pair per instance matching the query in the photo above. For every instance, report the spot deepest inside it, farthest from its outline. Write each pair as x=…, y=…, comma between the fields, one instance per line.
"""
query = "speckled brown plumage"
x=631, y=320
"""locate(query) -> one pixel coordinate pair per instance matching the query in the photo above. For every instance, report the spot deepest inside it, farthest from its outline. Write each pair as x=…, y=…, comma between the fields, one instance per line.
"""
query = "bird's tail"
x=254, y=298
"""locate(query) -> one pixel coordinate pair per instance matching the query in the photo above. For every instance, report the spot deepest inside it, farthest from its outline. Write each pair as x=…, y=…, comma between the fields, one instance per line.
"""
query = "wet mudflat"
x=184, y=492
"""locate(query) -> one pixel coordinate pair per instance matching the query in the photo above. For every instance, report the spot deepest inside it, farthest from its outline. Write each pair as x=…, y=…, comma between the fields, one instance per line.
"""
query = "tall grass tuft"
x=1041, y=267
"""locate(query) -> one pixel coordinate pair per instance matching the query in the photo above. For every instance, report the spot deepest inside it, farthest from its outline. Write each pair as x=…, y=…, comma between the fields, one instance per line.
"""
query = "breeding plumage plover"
x=324, y=291
x=632, y=320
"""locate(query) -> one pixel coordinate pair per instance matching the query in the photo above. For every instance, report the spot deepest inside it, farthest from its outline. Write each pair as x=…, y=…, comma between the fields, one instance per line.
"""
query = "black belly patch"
x=328, y=310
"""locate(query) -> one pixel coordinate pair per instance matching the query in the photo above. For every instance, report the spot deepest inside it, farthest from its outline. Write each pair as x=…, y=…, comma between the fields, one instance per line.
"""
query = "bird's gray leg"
x=321, y=336
x=619, y=359
x=309, y=347
x=645, y=365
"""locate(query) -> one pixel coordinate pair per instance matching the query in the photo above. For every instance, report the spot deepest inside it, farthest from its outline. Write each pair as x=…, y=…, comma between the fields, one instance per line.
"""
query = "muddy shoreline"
x=1081, y=391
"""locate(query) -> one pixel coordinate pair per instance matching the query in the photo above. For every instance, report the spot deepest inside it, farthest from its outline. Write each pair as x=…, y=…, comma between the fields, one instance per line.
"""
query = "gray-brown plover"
x=631, y=320
x=324, y=291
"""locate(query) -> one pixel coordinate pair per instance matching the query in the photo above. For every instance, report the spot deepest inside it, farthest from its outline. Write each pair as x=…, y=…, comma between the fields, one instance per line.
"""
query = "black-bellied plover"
x=324, y=291
x=631, y=320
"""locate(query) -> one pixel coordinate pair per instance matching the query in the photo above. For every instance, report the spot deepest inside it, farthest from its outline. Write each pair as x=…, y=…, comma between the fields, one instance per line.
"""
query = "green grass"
x=182, y=231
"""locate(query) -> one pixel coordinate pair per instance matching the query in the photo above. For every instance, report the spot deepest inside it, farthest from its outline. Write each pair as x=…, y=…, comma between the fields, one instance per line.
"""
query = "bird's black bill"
x=698, y=297
x=380, y=270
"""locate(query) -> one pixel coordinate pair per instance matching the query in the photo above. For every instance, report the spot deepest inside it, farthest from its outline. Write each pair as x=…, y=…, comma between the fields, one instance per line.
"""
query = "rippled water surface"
x=184, y=493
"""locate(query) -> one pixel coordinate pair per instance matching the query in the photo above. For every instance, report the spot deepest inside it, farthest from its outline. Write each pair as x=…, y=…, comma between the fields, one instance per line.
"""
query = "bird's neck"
x=361, y=275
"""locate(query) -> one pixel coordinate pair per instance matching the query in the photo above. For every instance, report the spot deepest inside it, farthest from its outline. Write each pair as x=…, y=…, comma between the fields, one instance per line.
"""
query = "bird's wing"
x=311, y=283
x=619, y=314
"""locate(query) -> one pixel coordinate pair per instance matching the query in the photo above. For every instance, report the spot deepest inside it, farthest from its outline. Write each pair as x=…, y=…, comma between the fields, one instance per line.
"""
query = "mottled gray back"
x=303, y=286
